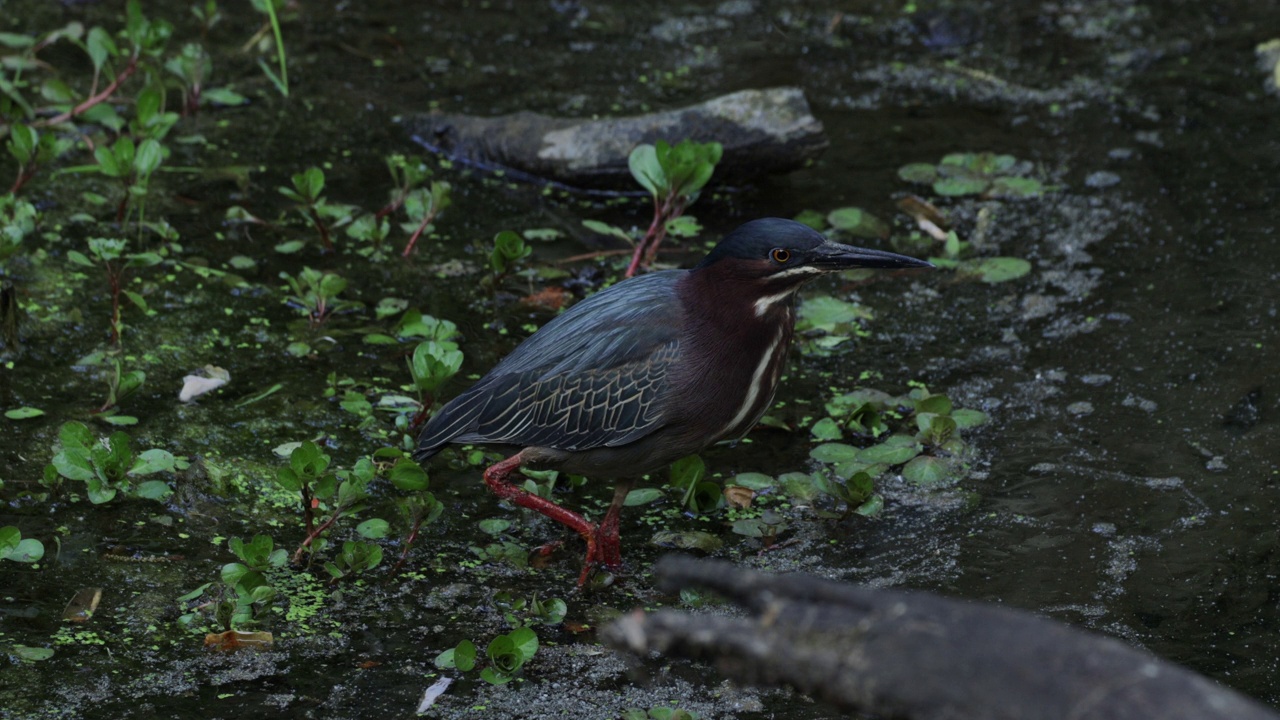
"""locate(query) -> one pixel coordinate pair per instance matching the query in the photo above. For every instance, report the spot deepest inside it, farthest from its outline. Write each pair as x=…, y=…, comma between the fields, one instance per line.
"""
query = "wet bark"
x=919, y=656
x=763, y=132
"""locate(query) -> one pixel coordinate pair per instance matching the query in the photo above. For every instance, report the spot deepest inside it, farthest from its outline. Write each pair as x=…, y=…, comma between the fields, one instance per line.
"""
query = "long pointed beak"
x=837, y=256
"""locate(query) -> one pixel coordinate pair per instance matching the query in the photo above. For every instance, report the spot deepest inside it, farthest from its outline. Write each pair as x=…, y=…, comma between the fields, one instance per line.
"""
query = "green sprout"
x=506, y=655
x=700, y=496
x=674, y=175
x=315, y=294
x=355, y=558
x=508, y=249
x=419, y=508
x=307, y=193
x=327, y=496
x=109, y=466
x=109, y=255
x=433, y=362
x=423, y=206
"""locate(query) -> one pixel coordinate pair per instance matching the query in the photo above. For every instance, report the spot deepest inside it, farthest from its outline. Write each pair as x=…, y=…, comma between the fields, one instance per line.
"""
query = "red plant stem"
x=25, y=173
x=297, y=555
x=308, y=516
x=124, y=203
x=390, y=207
x=413, y=239
x=408, y=545
x=640, y=246
x=124, y=74
x=664, y=211
x=321, y=228
x=420, y=417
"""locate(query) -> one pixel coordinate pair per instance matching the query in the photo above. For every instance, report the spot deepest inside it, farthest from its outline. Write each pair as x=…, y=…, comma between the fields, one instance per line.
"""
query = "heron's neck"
x=725, y=303
x=736, y=336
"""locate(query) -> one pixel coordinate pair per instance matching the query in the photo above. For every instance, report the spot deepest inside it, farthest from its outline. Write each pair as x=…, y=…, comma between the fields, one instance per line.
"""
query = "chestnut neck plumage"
x=737, y=331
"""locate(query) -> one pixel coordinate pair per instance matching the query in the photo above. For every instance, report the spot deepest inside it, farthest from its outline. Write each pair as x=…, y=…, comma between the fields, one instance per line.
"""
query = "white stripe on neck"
x=763, y=304
x=753, y=391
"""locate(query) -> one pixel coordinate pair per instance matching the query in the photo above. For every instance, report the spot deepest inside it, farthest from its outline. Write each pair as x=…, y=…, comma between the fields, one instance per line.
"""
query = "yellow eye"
x=780, y=255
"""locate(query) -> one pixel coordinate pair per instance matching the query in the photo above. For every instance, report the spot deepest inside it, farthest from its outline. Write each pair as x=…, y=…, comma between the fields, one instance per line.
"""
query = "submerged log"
x=919, y=656
x=762, y=131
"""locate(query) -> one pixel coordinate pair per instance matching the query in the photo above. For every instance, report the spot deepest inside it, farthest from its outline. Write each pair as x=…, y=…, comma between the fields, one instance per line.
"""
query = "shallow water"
x=1150, y=516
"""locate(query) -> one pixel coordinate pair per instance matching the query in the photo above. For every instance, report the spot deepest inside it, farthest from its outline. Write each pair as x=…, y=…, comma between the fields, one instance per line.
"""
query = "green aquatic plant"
x=15, y=548
x=244, y=594
x=33, y=150
x=697, y=494
x=675, y=176
x=530, y=611
x=918, y=432
x=506, y=655
x=432, y=363
x=355, y=558
x=109, y=466
x=423, y=206
x=327, y=496
x=315, y=294
x=509, y=248
x=109, y=255
x=280, y=76
x=308, y=195
x=420, y=508
x=986, y=174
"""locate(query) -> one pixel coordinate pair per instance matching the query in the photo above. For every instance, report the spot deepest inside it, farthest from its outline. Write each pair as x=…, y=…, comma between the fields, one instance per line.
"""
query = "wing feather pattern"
x=590, y=378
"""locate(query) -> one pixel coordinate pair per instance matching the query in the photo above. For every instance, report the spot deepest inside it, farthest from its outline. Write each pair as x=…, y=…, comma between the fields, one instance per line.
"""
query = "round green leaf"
x=922, y=173
x=374, y=528
x=889, y=454
x=858, y=222
x=32, y=654
x=29, y=550
x=494, y=526
x=826, y=429
x=872, y=507
x=833, y=453
x=463, y=656
x=154, y=490
x=753, y=481
x=1001, y=269
x=938, y=404
x=525, y=641
x=966, y=418
x=642, y=496
x=954, y=186
x=926, y=471
x=408, y=475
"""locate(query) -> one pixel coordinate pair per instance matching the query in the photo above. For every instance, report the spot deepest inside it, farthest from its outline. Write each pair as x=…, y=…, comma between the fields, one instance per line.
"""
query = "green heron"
x=647, y=371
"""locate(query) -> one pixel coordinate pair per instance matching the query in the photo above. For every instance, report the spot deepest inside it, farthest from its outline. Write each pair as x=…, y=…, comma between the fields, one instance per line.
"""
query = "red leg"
x=496, y=477
x=607, y=539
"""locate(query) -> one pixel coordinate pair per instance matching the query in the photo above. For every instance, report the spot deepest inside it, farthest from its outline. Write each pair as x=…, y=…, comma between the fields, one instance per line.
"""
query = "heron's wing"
x=593, y=377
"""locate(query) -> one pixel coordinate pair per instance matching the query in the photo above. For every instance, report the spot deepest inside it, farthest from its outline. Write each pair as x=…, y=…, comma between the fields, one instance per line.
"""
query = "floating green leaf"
x=858, y=222
x=833, y=453
x=826, y=429
x=922, y=173
x=925, y=471
x=997, y=269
